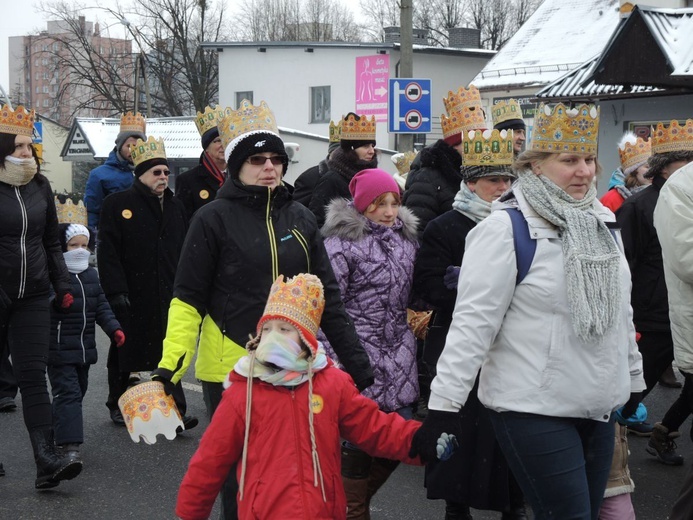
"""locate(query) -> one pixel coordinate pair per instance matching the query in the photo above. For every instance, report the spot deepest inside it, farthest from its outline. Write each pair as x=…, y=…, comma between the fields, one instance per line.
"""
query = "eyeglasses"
x=156, y=173
x=260, y=160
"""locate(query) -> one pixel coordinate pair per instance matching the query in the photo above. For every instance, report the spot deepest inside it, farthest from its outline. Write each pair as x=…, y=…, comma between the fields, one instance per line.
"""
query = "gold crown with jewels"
x=487, y=148
x=17, y=122
x=505, y=110
x=248, y=118
x=673, y=138
x=130, y=122
x=566, y=130
x=210, y=118
x=464, y=112
x=335, y=131
x=146, y=150
x=632, y=154
x=71, y=213
x=362, y=129
x=403, y=161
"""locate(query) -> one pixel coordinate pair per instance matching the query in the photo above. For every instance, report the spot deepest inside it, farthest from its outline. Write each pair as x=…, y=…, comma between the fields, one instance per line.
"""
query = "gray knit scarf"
x=590, y=255
x=470, y=204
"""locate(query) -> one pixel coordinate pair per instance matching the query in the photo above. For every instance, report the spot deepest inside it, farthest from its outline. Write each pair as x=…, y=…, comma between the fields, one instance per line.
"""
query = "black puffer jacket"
x=432, y=186
x=195, y=188
x=306, y=182
x=30, y=254
x=73, y=335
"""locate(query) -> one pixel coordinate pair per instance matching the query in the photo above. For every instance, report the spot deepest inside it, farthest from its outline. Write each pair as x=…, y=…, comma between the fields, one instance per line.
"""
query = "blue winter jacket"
x=111, y=177
x=73, y=335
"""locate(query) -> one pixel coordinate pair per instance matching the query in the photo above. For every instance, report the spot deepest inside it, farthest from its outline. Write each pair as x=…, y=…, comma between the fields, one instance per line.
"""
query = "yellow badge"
x=127, y=214
x=317, y=403
x=204, y=194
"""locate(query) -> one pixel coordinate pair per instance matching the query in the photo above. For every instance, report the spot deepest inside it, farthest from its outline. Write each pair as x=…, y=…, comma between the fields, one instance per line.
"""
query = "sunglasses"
x=156, y=173
x=260, y=160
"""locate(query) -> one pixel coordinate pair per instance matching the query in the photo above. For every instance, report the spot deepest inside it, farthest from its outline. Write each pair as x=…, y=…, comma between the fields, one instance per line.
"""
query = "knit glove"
x=428, y=440
x=119, y=338
x=63, y=301
x=158, y=375
x=120, y=304
x=452, y=275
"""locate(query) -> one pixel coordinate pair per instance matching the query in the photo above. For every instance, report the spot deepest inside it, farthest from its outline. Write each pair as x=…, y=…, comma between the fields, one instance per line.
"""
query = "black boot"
x=70, y=452
x=457, y=511
x=515, y=513
x=51, y=468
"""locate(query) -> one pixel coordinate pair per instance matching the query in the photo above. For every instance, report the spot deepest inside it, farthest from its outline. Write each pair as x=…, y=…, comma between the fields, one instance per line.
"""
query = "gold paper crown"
x=248, y=118
x=210, y=118
x=146, y=150
x=403, y=161
x=505, y=110
x=17, y=122
x=674, y=138
x=464, y=112
x=632, y=154
x=462, y=100
x=361, y=130
x=130, y=122
x=335, y=131
x=71, y=213
x=564, y=130
x=300, y=301
x=488, y=148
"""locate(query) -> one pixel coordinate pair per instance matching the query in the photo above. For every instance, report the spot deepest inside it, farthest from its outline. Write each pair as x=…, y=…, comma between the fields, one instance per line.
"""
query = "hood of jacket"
x=344, y=221
x=115, y=161
x=439, y=155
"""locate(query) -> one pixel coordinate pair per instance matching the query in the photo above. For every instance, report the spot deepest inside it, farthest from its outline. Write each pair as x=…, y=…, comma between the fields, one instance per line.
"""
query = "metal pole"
x=7, y=98
x=137, y=84
x=145, y=75
x=406, y=67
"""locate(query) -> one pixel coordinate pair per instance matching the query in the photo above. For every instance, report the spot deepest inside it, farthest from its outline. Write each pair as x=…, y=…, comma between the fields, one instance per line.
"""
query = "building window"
x=320, y=104
x=240, y=96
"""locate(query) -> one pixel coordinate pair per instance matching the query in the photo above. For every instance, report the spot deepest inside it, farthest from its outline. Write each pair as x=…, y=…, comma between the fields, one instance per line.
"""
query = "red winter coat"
x=279, y=471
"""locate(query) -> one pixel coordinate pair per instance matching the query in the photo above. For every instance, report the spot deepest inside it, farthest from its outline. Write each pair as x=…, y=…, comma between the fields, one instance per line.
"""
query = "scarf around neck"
x=470, y=204
x=18, y=172
x=590, y=255
x=212, y=168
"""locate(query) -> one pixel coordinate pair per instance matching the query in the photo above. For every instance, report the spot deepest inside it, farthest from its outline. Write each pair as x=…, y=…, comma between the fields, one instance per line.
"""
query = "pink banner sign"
x=372, y=75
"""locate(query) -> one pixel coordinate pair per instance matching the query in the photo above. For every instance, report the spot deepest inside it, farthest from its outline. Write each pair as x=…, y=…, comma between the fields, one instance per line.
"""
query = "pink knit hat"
x=368, y=185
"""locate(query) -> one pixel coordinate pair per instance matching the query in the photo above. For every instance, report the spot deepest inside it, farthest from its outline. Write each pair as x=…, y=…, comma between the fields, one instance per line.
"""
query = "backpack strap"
x=525, y=247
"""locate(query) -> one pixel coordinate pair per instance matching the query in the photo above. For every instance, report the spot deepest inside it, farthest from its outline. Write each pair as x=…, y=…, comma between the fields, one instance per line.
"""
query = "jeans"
x=561, y=464
x=211, y=393
x=68, y=385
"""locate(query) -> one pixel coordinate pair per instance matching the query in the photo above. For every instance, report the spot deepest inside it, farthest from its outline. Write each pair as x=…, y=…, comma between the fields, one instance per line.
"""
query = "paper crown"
x=210, y=118
x=247, y=119
x=17, y=122
x=146, y=150
x=673, y=138
x=403, y=161
x=71, y=213
x=565, y=130
x=148, y=411
x=300, y=301
x=632, y=154
x=464, y=112
x=506, y=110
x=487, y=148
x=361, y=130
x=130, y=122
x=335, y=131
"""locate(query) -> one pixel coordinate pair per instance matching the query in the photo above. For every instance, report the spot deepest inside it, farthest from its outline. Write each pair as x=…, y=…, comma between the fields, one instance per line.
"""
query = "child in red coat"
x=282, y=415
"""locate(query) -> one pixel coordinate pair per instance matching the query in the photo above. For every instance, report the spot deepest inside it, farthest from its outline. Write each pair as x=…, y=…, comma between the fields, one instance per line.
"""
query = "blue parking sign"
x=409, y=106
x=38, y=132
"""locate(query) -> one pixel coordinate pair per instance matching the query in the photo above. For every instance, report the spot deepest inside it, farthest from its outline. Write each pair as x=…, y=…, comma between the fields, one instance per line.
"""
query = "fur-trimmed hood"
x=344, y=221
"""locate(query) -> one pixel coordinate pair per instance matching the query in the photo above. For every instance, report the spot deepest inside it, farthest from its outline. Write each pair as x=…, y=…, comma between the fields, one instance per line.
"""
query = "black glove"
x=426, y=438
x=632, y=405
x=452, y=275
x=120, y=304
x=162, y=376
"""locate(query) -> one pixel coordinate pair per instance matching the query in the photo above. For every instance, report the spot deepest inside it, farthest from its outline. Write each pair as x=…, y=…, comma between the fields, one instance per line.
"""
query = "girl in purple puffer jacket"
x=372, y=244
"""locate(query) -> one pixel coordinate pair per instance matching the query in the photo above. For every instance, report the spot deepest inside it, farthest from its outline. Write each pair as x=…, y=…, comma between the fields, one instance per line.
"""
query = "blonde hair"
x=524, y=161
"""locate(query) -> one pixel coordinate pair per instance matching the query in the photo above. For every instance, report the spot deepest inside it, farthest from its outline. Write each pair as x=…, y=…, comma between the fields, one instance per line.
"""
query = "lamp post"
x=141, y=62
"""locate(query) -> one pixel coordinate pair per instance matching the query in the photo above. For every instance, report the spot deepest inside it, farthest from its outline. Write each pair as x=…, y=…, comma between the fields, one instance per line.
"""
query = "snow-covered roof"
x=554, y=40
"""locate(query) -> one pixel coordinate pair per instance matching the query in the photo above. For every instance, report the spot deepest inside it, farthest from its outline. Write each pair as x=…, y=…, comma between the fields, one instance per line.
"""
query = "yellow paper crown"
x=505, y=110
x=462, y=100
x=130, y=122
x=71, y=213
x=674, y=138
x=146, y=150
x=403, y=161
x=17, y=122
x=632, y=154
x=300, y=301
x=464, y=112
x=335, y=131
x=210, y=118
x=357, y=130
x=487, y=148
x=564, y=130
x=247, y=119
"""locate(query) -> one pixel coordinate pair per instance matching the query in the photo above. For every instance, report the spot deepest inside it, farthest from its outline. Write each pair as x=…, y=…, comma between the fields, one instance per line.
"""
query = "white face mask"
x=77, y=260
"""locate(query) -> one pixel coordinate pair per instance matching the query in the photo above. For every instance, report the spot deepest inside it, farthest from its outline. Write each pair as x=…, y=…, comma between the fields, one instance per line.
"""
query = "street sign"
x=38, y=132
x=372, y=73
x=409, y=106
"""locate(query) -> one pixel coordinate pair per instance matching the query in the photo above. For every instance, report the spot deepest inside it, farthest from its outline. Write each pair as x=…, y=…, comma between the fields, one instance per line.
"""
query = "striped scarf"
x=215, y=172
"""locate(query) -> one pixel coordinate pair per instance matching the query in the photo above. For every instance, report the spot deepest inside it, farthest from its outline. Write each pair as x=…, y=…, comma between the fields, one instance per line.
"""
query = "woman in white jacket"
x=557, y=350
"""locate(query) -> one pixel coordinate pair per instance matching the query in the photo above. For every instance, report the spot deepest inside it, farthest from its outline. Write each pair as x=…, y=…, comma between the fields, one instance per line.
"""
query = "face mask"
x=18, y=172
x=77, y=260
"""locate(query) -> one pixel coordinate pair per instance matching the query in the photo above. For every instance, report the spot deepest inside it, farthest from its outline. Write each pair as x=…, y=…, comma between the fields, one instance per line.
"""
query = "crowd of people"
x=543, y=319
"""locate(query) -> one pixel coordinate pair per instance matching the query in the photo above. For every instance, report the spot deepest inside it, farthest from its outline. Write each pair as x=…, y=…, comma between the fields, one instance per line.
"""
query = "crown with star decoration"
x=560, y=129
x=146, y=150
x=71, y=213
x=18, y=122
x=673, y=138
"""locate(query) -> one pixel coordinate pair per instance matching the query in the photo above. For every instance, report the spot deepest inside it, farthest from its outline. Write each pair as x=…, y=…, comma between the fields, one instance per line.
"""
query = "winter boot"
x=51, y=468
x=515, y=513
x=70, y=451
x=356, y=466
x=381, y=469
x=662, y=445
x=457, y=511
